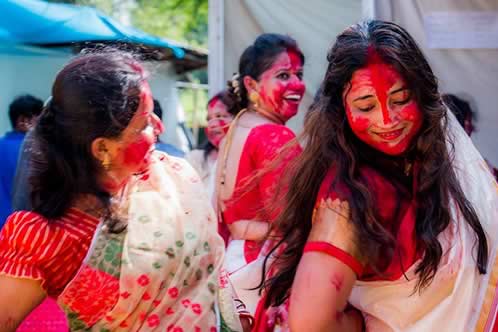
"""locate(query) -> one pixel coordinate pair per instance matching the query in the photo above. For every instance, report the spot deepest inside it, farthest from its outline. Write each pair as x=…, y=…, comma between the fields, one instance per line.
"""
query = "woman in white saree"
x=391, y=219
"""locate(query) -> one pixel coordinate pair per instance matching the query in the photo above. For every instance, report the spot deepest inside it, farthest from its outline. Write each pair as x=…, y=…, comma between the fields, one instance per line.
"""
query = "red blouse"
x=398, y=217
x=261, y=147
x=34, y=248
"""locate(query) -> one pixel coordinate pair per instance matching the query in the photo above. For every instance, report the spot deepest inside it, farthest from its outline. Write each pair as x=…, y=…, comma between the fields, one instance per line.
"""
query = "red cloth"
x=397, y=215
x=47, y=317
x=261, y=147
x=32, y=247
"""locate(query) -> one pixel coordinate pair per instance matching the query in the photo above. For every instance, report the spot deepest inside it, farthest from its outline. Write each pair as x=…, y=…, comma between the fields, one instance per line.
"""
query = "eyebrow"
x=363, y=97
x=398, y=90
x=390, y=93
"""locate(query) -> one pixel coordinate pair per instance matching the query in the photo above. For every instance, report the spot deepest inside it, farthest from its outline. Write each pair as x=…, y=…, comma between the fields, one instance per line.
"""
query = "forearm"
x=249, y=230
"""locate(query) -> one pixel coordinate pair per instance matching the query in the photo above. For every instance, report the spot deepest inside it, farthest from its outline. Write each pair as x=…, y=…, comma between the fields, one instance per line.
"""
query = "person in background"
x=23, y=112
x=465, y=116
x=269, y=88
x=220, y=113
x=162, y=146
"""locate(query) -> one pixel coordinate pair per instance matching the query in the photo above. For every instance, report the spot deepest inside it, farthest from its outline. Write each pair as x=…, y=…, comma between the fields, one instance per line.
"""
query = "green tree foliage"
x=181, y=20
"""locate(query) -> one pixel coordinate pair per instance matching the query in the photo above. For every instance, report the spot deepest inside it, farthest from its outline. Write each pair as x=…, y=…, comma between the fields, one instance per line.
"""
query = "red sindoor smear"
x=135, y=153
x=381, y=81
x=337, y=281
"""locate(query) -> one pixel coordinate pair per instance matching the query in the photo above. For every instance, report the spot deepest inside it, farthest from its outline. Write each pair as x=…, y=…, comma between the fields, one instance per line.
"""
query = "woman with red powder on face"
x=220, y=112
x=122, y=236
x=389, y=223
x=269, y=88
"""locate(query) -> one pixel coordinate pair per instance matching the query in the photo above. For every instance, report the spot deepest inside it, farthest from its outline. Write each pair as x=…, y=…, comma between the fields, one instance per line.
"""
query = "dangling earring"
x=254, y=98
x=106, y=163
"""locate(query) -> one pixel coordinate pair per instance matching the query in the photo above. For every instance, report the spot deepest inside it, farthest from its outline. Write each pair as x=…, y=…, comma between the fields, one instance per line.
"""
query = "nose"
x=297, y=84
x=157, y=124
x=389, y=114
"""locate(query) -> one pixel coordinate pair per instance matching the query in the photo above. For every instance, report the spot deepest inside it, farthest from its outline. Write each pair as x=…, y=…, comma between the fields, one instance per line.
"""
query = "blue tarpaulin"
x=38, y=22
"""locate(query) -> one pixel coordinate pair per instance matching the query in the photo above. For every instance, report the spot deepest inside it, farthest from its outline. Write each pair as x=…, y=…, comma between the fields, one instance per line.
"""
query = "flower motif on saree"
x=90, y=297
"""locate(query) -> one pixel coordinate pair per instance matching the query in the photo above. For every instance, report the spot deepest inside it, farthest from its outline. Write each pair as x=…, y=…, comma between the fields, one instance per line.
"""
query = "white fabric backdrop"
x=313, y=23
x=468, y=73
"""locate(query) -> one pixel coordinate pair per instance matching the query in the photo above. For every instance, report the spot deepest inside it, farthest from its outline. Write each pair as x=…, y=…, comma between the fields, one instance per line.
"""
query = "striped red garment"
x=51, y=251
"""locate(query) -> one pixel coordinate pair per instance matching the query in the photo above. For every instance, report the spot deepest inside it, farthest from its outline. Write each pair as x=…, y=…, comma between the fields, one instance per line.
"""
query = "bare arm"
x=319, y=296
x=323, y=283
x=249, y=230
x=19, y=298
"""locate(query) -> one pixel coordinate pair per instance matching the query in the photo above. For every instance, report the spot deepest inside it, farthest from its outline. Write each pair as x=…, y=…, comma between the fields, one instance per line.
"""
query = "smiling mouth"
x=390, y=135
x=295, y=98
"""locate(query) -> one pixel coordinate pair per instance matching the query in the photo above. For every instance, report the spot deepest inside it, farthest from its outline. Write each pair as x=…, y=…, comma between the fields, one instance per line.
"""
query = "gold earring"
x=106, y=163
x=254, y=98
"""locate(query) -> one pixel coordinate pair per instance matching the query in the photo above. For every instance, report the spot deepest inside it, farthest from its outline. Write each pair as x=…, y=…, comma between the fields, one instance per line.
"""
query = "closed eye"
x=366, y=109
x=402, y=102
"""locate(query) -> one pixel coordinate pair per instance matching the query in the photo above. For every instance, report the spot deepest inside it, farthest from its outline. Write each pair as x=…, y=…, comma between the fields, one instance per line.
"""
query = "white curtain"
x=468, y=73
x=313, y=23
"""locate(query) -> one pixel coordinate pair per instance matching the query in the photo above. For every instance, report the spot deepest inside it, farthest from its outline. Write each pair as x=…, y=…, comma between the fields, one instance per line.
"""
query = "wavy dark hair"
x=94, y=95
x=331, y=143
x=258, y=58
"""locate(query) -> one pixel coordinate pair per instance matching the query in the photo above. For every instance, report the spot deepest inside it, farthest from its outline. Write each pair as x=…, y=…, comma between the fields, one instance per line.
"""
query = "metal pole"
x=216, y=38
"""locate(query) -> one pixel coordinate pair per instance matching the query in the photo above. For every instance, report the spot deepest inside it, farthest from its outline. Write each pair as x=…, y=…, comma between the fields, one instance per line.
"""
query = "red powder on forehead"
x=213, y=101
x=295, y=58
x=380, y=84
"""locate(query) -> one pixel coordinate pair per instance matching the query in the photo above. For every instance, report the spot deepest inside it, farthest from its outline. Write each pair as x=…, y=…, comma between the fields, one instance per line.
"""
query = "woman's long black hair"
x=331, y=143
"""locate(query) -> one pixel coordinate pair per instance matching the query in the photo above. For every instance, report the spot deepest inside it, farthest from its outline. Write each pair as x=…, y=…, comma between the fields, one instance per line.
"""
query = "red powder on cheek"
x=411, y=113
x=358, y=123
x=274, y=97
x=135, y=153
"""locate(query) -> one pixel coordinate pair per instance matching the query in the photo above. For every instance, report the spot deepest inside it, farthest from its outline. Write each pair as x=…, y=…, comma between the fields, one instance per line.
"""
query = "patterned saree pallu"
x=161, y=273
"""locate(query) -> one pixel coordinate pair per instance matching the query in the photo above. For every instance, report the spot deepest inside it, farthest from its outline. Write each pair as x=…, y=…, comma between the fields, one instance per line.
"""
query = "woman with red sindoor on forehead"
x=269, y=88
x=121, y=235
x=390, y=219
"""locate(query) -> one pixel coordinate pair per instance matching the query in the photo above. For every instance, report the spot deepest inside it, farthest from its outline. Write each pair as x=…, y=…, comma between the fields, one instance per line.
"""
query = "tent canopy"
x=41, y=23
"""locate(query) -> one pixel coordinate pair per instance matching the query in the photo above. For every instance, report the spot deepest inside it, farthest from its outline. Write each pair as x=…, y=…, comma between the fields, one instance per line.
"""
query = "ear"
x=100, y=148
x=250, y=84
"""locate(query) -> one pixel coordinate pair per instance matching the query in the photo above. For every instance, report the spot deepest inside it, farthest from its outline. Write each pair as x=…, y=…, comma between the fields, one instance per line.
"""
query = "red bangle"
x=337, y=253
